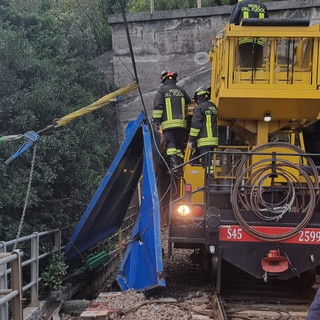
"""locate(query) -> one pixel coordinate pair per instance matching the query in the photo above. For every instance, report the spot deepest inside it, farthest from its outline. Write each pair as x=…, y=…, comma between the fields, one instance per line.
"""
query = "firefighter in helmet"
x=204, y=125
x=169, y=111
x=250, y=49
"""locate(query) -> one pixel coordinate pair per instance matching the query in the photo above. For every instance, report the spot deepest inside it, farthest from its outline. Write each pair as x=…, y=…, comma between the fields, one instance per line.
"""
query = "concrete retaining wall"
x=177, y=40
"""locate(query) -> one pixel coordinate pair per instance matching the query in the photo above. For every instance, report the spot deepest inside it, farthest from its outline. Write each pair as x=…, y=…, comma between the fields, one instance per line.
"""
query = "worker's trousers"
x=207, y=158
x=175, y=140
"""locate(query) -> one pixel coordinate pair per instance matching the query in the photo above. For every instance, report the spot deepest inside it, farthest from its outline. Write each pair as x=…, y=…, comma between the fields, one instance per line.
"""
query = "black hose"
x=251, y=183
x=292, y=22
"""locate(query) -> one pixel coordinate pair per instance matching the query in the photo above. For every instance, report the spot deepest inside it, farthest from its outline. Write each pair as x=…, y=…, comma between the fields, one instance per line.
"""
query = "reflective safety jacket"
x=204, y=124
x=249, y=9
x=169, y=106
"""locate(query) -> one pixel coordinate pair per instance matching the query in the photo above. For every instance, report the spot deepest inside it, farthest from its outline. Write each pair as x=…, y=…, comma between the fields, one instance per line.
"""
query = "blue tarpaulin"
x=141, y=268
x=108, y=206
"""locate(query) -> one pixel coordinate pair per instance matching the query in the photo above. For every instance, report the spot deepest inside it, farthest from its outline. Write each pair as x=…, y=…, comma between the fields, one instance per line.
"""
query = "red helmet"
x=166, y=74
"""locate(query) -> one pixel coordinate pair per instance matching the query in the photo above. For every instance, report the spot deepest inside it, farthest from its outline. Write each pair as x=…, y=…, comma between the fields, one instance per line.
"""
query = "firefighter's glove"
x=191, y=145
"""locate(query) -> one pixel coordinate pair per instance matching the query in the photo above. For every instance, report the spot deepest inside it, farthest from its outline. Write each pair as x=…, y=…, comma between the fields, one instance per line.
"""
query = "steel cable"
x=252, y=185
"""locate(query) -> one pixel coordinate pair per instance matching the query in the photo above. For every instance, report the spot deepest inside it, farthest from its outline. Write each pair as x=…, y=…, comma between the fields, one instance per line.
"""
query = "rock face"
x=177, y=40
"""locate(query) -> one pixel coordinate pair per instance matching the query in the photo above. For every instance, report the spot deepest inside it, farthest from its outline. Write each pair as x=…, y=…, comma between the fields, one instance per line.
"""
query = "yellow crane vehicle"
x=259, y=210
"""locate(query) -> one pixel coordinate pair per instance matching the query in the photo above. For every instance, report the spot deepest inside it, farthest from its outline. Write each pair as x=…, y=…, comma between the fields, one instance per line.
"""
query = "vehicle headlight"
x=183, y=210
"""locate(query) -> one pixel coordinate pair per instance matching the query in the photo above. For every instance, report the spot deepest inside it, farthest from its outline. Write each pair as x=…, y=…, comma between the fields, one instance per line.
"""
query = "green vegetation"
x=45, y=73
x=144, y=5
x=54, y=273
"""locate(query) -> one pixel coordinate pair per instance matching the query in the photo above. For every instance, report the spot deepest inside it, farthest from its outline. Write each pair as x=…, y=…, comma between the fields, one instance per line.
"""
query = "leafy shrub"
x=54, y=273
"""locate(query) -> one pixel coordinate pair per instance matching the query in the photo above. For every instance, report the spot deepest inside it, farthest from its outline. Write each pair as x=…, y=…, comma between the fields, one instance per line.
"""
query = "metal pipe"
x=22, y=239
x=41, y=256
x=16, y=271
x=8, y=297
x=4, y=308
x=23, y=264
x=27, y=262
x=292, y=62
x=5, y=291
x=29, y=285
x=288, y=59
x=219, y=271
x=35, y=270
x=7, y=259
x=272, y=60
x=44, y=233
x=16, y=284
x=57, y=240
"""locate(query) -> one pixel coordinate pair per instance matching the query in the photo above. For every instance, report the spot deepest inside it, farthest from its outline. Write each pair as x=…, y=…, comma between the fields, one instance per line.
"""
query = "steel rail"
x=218, y=307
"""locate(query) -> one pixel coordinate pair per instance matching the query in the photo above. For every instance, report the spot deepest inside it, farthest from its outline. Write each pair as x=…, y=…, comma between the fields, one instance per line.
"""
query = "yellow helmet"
x=239, y=0
x=201, y=91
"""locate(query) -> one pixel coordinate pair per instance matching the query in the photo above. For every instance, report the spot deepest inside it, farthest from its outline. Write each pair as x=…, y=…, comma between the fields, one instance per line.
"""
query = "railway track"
x=189, y=295
x=243, y=297
x=241, y=308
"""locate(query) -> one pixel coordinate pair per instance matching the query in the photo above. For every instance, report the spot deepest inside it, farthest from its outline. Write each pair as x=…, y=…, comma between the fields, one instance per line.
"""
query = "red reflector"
x=197, y=211
x=275, y=263
x=188, y=188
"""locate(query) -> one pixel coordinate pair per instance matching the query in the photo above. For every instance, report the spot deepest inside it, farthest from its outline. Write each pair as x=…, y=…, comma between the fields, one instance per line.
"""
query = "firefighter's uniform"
x=204, y=124
x=170, y=111
x=251, y=49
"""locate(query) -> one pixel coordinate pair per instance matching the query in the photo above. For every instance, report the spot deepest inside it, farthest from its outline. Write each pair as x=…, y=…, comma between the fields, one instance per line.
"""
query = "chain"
x=27, y=196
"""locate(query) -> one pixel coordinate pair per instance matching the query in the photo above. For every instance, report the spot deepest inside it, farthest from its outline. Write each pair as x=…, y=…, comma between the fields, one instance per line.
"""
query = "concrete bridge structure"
x=177, y=40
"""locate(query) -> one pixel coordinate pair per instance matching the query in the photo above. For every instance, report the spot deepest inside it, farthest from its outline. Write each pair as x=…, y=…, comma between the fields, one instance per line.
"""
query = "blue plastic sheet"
x=142, y=268
x=108, y=206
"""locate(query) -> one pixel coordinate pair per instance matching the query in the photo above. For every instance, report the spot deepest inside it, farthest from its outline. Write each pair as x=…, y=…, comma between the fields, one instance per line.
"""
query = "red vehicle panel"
x=236, y=233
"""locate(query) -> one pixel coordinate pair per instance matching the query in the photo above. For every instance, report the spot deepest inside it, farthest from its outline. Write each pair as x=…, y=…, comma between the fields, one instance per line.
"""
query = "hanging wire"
x=12, y=137
x=137, y=80
x=27, y=197
x=115, y=55
x=132, y=56
x=145, y=110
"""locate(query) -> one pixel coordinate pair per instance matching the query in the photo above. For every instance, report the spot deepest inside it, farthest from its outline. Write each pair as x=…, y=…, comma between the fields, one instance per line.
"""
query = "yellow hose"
x=96, y=105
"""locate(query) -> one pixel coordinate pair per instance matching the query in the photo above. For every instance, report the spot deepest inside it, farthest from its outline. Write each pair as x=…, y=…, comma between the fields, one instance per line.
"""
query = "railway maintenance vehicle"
x=259, y=210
